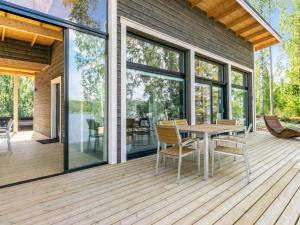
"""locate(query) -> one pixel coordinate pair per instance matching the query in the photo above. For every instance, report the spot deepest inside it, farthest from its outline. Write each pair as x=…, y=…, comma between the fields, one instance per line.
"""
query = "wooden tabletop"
x=211, y=128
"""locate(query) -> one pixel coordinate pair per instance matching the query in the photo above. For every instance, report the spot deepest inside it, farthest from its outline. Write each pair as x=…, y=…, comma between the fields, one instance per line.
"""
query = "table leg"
x=206, y=156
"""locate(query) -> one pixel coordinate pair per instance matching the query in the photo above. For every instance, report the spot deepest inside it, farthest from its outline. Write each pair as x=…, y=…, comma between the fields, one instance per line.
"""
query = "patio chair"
x=235, y=146
x=166, y=123
x=169, y=135
x=276, y=129
x=5, y=132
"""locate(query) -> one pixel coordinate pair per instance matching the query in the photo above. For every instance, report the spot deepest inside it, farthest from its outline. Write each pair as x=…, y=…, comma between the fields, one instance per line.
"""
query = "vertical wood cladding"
x=42, y=99
x=179, y=20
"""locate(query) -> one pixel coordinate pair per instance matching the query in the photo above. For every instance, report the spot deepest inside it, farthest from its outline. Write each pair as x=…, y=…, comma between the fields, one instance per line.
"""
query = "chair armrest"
x=238, y=141
x=190, y=141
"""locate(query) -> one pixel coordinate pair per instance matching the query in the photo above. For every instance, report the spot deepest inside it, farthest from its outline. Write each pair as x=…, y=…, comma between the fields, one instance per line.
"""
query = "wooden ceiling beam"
x=195, y=3
x=261, y=40
x=256, y=34
x=248, y=28
x=9, y=71
x=227, y=11
x=238, y=21
x=30, y=28
x=3, y=34
x=33, y=40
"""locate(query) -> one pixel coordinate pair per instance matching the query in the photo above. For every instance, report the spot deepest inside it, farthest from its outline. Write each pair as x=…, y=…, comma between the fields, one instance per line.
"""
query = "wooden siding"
x=131, y=194
x=42, y=101
x=21, y=50
x=177, y=19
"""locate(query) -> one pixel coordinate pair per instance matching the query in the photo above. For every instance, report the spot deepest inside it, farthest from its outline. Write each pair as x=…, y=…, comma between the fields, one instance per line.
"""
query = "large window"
x=155, y=91
x=240, y=97
x=209, y=91
x=87, y=100
x=91, y=13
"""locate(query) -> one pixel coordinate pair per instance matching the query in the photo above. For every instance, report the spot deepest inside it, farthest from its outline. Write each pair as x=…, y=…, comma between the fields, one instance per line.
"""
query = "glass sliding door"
x=218, y=101
x=240, y=97
x=155, y=91
x=209, y=91
x=202, y=103
x=87, y=100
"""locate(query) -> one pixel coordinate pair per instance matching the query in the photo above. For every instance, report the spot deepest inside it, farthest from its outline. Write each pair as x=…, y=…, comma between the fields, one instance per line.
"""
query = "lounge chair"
x=5, y=132
x=276, y=129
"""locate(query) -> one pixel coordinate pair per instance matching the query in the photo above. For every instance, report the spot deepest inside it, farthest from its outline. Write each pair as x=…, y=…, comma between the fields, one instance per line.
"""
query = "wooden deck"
x=130, y=194
x=28, y=158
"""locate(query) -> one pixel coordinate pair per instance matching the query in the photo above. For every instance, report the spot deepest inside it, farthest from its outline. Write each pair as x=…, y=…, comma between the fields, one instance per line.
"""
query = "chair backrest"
x=168, y=134
x=181, y=122
x=166, y=123
x=248, y=130
x=9, y=125
x=226, y=122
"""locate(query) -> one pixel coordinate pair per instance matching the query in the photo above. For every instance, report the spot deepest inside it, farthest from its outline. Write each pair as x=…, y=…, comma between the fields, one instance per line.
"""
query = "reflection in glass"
x=208, y=69
x=91, y=13
x=217, y=93
x=87, y=69
x=202, y=103
x=150, y=98
x=239, y=105
x=154, y=55
x=237, y=78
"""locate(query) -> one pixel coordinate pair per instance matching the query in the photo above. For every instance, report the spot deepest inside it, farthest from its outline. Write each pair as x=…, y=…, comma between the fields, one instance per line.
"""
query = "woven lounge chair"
x=277, y=130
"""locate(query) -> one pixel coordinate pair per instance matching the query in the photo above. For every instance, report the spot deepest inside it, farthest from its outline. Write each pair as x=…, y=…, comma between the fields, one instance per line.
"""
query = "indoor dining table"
x=206, y=131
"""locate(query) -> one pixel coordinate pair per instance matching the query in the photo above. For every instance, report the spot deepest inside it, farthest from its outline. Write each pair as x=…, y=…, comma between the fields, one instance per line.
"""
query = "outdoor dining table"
x=207, y=130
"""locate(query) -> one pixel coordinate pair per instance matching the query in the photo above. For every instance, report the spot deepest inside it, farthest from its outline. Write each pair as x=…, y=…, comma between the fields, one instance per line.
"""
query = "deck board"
x=130, y=193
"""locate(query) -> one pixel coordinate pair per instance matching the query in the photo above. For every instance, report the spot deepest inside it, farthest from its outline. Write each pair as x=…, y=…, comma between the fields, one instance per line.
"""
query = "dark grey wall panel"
x=177, y=19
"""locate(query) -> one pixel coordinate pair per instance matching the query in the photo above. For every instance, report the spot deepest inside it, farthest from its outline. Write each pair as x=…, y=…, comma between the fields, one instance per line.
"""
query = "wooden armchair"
x=169, y=135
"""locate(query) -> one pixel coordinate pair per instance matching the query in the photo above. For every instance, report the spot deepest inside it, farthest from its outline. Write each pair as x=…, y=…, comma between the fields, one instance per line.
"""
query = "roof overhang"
x=240, y=17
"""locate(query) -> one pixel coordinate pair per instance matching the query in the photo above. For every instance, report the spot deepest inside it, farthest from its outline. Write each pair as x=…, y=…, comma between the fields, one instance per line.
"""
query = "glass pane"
x=217, y=103
x=149, y=54
x=203, y=103
x=6, y=97
x=239, y=105
x=87, y=99
x=237, y=77
x=91, y=13
x=150, y=98
x=209, y=70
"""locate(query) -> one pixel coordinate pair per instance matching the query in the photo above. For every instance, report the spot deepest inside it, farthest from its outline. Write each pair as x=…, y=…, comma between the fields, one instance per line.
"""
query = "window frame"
x=158, y=71
x=245, y=87
x=222, y=83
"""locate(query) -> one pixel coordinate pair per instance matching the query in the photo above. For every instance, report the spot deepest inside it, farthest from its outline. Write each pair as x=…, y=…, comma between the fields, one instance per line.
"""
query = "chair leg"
x=179, y=169
x=8, y=142
x=212, y=163
x=234, y=158
x=157, y=164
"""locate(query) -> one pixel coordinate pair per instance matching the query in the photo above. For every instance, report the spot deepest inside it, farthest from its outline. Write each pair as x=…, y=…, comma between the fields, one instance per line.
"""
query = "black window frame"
x=66, y=26
x=245, y=87
x=222, y=83
x=159, y=71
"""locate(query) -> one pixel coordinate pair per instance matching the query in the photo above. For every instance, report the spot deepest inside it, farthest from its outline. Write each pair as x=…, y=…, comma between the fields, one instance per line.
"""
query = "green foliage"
x=6, y=95
x=26, y=99
x=286, y=87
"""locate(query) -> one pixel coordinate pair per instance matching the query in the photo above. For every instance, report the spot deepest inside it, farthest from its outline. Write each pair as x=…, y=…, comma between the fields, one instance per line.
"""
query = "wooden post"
x=16, y=103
